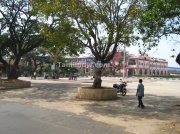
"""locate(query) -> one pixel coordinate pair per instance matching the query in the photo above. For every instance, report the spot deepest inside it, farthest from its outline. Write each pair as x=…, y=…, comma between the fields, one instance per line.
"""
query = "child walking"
x=140, y=93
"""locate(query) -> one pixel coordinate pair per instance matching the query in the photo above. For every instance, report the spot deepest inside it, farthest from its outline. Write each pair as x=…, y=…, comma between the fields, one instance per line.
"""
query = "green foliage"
x=72, y=25
x=157, y=18
x=58, y=29
x=68, y=70
x=103, y=25
x=19, y=33
x=37, y=58
x=4, y=44
x=99, y=25
x=160, y=17
x=24, y=27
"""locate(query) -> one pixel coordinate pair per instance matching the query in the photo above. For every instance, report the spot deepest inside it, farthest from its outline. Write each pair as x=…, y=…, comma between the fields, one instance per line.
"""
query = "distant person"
x=140, y=93
x=75, y=76
x=71, y=76
x=34, y=75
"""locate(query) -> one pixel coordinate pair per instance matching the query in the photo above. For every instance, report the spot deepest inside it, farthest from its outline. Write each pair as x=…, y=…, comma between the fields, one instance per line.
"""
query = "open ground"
x=160, y=116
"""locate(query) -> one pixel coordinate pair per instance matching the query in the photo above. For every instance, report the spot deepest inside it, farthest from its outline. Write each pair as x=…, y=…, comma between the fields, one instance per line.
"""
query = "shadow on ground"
x=157, y=107
x=44, y=91
x=53, y=92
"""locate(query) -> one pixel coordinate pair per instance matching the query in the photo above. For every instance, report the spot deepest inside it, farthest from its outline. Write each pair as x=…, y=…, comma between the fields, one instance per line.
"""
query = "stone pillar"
x=148, y=71
x=143, y=71
x=137, y=71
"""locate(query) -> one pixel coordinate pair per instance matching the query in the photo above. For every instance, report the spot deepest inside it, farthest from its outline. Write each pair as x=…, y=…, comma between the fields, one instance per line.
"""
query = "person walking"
x=140, y=93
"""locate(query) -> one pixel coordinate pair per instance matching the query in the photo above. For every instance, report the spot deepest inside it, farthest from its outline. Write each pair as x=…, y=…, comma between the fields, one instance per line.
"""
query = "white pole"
x=124, y=61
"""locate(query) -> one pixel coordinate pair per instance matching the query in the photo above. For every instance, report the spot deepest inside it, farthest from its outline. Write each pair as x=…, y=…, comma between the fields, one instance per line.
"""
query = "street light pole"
x=124, y=61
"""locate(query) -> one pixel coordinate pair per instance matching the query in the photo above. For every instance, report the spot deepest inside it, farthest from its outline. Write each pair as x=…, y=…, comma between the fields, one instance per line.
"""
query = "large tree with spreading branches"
x=102, y=25
x=19, y=33
x=159, y=18
x=23, y=28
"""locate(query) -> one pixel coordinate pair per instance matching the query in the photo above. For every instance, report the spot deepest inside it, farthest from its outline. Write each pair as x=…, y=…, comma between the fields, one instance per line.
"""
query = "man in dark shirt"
x=140, y=93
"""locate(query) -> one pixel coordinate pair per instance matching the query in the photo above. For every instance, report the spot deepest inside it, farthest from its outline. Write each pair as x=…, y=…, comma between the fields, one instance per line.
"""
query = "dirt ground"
x=160, y=116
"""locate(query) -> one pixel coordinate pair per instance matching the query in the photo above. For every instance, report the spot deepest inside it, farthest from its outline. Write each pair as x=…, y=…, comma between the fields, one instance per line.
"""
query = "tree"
x=37, y=58
x=22, y=29
x=103, y=26
x=19, y=33
x=100, y=25
x=57, y=28
x=160, y=17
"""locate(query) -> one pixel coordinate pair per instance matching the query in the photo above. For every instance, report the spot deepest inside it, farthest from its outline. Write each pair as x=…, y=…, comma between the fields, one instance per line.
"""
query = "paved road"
x=16, y=118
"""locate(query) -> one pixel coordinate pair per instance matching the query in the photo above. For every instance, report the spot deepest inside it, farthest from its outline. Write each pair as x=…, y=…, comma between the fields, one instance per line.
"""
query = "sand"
x=160, y=116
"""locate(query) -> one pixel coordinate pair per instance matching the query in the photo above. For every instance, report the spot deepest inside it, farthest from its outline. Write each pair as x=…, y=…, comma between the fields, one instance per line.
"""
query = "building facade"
x=138, y=65
x=145, y=65
x=133, y=65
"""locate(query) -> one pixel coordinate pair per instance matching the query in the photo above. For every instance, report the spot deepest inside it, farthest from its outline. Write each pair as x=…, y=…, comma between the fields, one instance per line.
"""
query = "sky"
x=163, y=50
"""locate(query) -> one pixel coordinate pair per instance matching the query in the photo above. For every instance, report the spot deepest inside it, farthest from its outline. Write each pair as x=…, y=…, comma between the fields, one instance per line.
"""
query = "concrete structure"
x=14, y=84
x=89, y=93
x=145, y=65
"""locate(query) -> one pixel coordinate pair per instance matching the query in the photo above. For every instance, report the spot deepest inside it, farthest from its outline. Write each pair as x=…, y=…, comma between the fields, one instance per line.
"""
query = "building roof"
x=146, y=57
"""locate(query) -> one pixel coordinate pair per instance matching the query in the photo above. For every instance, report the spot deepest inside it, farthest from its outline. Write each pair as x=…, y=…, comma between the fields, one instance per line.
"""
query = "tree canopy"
x=161, y=17
x=72, y=25
x=22, y=29
x=103, y=25
x=19, y=32
x=57, y=27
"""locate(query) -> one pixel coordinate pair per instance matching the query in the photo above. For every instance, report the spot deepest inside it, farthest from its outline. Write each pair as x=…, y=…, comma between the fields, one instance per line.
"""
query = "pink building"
x=134, y=65
x=145, y=65
x=138, y=65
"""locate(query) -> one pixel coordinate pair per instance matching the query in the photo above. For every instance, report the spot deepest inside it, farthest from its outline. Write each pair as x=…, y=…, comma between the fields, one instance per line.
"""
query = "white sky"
x=163, y=50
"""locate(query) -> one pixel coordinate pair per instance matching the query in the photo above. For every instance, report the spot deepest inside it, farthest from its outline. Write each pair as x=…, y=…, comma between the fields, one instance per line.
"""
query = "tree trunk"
x=12, y=72
x=97, y=80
